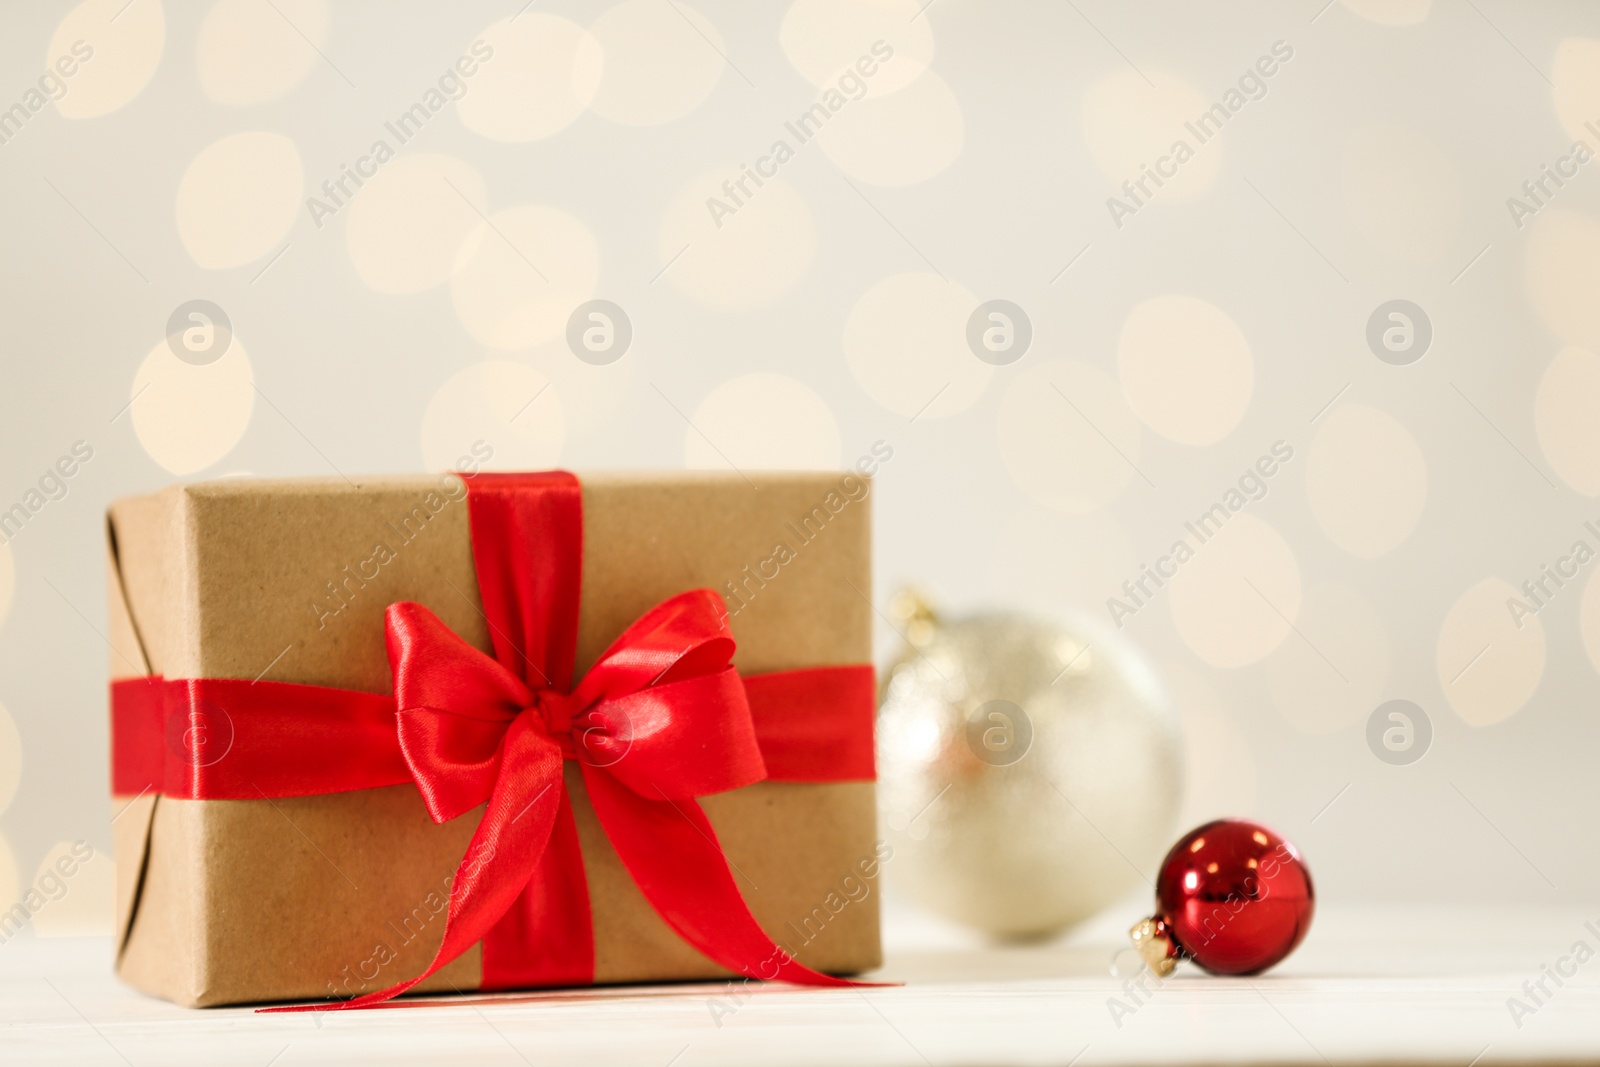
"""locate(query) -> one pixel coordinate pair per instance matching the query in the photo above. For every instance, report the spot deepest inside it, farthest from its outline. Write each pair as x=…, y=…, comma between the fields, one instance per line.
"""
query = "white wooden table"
x=1370, y=985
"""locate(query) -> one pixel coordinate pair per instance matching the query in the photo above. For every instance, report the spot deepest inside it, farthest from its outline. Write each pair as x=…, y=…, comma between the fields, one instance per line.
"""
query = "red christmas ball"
x=1233, y=896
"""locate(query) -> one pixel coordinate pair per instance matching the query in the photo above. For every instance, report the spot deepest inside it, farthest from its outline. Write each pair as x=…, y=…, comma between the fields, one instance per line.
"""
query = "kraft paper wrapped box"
x=308, y=897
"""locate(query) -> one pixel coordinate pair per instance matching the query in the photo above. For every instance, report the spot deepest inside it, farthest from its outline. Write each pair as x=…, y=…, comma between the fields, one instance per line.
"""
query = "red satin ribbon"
x=221, y=739
x=661, y=719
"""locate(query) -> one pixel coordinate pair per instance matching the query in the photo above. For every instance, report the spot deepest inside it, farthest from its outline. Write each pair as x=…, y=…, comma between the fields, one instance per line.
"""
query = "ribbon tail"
x=547, y=938
x=673, y=855
x=506, y=849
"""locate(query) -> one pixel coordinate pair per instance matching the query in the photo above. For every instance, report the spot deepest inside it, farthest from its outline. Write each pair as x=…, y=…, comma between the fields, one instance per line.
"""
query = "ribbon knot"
x=559, y=714
x=587, y=732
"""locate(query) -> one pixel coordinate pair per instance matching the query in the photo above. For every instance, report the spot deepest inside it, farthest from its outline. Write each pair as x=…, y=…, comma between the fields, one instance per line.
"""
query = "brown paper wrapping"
x=236, y=901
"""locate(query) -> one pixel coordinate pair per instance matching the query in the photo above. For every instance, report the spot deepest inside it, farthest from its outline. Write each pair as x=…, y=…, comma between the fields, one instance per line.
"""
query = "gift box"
x=350, y=716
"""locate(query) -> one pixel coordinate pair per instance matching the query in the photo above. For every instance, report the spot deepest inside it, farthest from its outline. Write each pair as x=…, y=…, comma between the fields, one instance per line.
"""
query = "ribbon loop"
x=685, y=740
x=682, y=637
x=454, y=707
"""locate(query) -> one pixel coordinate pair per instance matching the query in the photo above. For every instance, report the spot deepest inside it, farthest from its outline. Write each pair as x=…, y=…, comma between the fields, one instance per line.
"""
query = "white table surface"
x=1369, y=985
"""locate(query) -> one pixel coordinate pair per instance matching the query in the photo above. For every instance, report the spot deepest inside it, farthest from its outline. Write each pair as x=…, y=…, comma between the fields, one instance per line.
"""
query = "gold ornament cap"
x=1155, y=946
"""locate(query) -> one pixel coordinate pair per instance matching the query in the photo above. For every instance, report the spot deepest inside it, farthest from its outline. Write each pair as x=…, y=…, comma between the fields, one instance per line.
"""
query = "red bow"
x=659, y=720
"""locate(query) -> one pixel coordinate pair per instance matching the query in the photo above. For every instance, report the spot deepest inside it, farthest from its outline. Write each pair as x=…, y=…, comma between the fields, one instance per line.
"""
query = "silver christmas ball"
x=1027, y=772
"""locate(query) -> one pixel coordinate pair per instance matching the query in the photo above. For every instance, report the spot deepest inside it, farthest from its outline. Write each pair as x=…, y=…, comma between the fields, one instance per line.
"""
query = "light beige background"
x=1227, y=313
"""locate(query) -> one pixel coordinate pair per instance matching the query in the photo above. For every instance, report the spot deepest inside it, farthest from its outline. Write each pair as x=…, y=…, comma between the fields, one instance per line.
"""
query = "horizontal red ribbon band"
x=222, y=739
